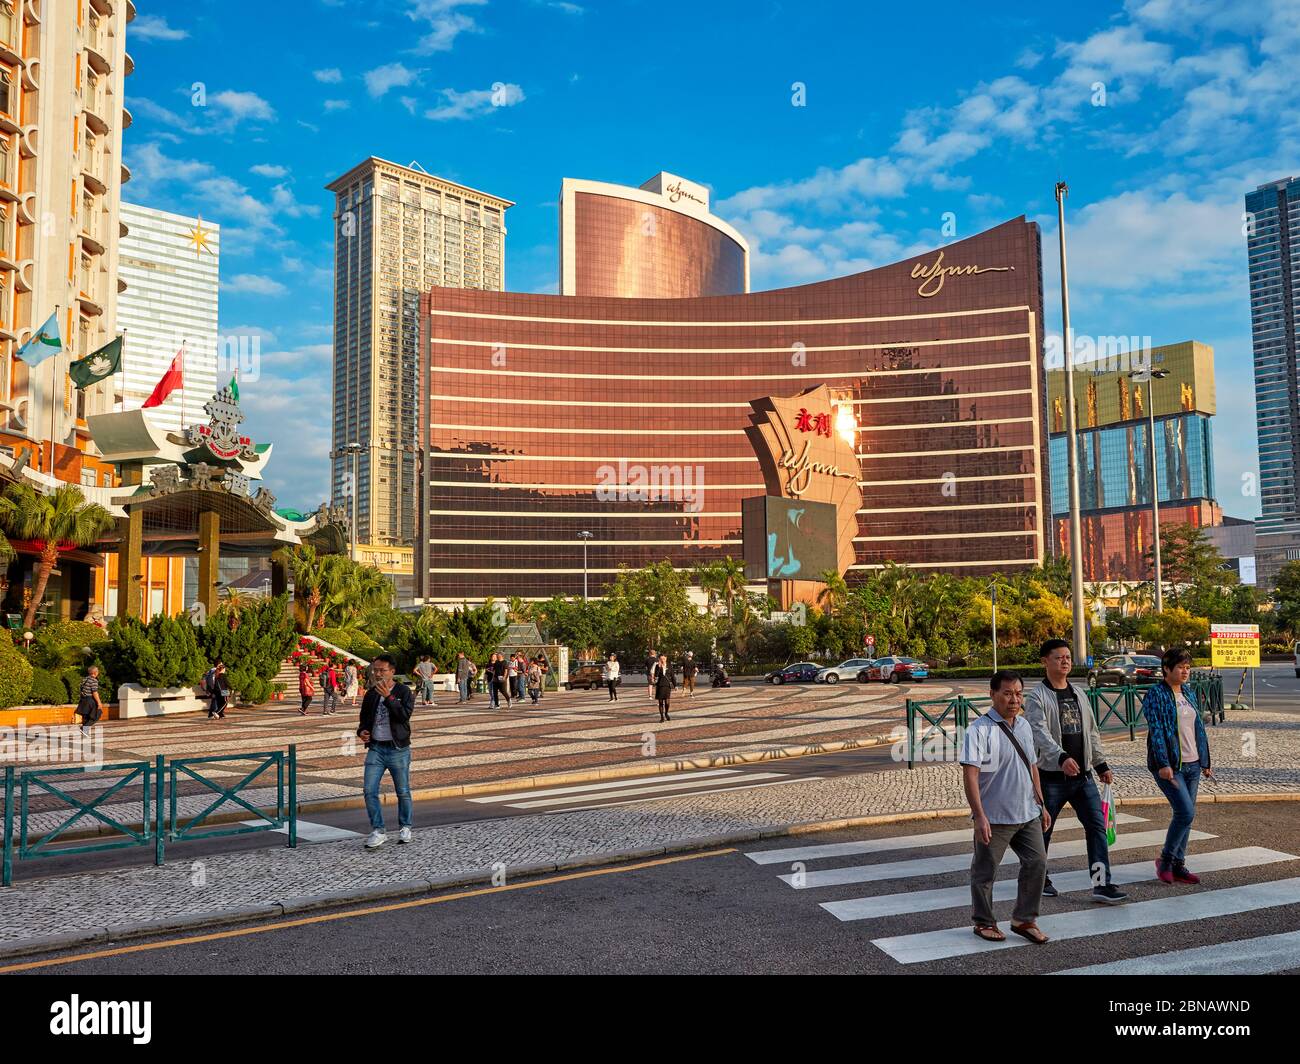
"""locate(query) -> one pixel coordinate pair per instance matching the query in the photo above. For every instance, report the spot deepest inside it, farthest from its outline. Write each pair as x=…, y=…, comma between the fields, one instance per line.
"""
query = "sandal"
x=989, y=933
x=1031, y=932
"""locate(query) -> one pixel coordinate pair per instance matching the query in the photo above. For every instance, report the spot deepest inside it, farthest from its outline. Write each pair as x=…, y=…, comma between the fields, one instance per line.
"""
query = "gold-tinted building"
x=398, y=232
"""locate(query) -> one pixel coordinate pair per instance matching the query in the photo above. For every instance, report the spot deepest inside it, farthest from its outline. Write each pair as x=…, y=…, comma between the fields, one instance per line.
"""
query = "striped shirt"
x=89, y=686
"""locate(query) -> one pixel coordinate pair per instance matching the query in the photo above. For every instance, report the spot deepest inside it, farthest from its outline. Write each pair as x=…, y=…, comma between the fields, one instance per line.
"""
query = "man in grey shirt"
x=1006, y=801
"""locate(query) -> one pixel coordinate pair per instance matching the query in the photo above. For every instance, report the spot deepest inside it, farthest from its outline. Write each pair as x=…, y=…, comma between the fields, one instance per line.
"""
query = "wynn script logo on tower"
x=806, y=445
x=936, y=273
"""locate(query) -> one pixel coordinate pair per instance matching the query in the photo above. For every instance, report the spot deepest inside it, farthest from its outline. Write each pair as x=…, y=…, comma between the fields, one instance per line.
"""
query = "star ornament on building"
x=198, y=238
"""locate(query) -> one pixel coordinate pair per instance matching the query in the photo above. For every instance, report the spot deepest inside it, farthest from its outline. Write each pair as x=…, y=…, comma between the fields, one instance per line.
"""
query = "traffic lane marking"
x=284, y=925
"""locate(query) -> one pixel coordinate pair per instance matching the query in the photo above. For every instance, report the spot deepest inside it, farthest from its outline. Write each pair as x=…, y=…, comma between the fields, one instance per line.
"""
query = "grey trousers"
x=1026, y=840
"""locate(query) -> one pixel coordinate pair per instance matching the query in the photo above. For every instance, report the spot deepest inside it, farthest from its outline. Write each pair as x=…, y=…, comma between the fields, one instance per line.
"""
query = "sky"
x=836, y=137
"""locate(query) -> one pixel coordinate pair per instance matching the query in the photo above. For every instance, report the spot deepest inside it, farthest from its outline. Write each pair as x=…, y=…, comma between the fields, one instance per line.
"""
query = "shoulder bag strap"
x=1020, y=750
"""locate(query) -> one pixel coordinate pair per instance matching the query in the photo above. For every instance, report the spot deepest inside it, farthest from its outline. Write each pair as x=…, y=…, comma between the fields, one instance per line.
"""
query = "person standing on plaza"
x=512, y=679
x=426, y=670
x=1006, y=801
x=1178, y=754
x=545, y=666
x=534, y=681
x=216, y=688
x=490, y=679
x=501, y=679
x=1069, y=751
x=89, y=707
x=651, y=663
x=385, y=728
x=610, y=675
x=329, y=689
x=350, y=678
x=463, y=667
x=689, y=669
x=663, y=681
x=306, y=689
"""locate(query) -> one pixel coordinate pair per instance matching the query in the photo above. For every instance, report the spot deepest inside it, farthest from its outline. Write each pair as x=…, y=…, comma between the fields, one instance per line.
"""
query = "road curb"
x=414, y=888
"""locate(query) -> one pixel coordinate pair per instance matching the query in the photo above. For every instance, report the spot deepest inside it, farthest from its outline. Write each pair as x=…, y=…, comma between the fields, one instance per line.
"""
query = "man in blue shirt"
x=1006, y=800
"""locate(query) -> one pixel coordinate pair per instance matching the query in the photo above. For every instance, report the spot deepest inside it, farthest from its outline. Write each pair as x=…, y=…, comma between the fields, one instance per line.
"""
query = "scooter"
x=720, y=678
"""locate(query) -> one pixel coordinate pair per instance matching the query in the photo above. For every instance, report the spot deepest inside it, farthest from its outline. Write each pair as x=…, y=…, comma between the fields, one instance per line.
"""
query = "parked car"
x=799, y=672
x=586, y=674
x=870, y=671
x=1124, y=669
x=845, y=670
x=896, y=670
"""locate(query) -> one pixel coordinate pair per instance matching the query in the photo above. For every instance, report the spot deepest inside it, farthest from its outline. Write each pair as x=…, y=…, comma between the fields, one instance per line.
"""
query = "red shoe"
x=1164, y=870
x=1181, y=875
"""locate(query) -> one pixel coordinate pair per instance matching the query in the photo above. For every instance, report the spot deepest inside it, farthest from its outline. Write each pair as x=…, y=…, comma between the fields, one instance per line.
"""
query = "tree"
x=254, y=648
x=1191, y=565
x=1175, y=627
x=308, y=580
x=650, y=607
x=57, y=522
x=834, y=591
x=350, y=590
x=1286, y=597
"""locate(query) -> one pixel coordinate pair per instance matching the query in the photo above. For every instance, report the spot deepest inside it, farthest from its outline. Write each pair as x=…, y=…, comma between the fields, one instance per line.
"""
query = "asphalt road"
x=720, y=912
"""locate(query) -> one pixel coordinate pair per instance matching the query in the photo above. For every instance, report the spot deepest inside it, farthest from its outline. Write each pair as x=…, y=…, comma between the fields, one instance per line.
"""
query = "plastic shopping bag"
x=1108, y=812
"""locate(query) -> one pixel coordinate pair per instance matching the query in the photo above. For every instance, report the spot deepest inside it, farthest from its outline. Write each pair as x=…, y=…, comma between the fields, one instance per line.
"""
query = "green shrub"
x=163, y=653
x=47, y=689
x=76, y=633
x=15, y=674
x=253, y=643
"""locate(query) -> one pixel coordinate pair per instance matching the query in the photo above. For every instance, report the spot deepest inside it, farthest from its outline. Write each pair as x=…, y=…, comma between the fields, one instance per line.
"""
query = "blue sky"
x=244, y=112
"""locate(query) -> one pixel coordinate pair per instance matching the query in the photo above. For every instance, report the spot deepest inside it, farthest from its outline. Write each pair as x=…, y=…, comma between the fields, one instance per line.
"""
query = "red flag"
x=171, y=380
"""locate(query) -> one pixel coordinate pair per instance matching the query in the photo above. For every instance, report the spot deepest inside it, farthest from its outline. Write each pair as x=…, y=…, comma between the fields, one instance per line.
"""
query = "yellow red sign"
x=1234, y=646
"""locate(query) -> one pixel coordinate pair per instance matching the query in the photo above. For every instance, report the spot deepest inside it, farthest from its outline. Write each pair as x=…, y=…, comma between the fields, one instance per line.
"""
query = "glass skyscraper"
x=1272, y=235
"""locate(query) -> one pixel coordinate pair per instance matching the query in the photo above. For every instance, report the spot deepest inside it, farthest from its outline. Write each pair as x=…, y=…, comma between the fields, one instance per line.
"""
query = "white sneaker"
x=375, y=840
x=404, y=835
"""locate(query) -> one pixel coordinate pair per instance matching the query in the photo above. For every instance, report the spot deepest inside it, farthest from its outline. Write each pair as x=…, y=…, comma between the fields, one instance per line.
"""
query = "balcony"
x=126, y=173
x=128, y=64
x=90, y=304
x=93, y=106
x=126, y=119
x=97, y=46
x=92, y=170
x=92, y=232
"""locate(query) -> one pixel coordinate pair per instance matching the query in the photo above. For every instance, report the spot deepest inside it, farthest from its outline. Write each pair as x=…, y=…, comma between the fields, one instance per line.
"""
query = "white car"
x=845, y=670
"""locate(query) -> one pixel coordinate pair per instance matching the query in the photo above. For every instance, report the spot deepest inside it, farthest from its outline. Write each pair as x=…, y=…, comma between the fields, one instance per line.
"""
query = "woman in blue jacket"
x=1178, y=754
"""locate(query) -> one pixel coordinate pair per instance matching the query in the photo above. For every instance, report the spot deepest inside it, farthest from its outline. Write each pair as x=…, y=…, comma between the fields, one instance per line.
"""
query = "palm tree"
x=350, y=590
x=308, y=578
x=61, y=521
x=731, y=579
x=834, y=592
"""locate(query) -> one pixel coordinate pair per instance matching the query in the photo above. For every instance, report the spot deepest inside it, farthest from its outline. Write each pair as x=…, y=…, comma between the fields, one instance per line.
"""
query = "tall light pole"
x=993, y=596
x=354, y=449
x=1149, y=377
x=584, y=536
x=1071, y=442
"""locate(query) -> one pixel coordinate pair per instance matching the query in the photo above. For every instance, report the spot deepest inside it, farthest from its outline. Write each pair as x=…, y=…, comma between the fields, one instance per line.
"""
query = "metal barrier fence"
x=160, y=817
x=1113, y=708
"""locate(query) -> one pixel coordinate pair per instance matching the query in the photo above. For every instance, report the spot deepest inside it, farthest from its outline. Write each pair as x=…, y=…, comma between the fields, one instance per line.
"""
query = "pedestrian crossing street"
x=640, y=789
x=906, y=896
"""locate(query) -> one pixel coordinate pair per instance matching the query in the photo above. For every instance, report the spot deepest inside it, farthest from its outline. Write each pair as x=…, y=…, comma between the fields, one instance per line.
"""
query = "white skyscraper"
x=170, y=265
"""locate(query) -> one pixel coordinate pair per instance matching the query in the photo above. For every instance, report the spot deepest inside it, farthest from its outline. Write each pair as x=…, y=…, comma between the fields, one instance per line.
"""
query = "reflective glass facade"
x=632, y=249
x=551, y=415
x=1273, y=236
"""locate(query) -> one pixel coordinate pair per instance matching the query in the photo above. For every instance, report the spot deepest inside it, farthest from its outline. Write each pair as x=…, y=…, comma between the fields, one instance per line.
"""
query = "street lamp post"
x=1151, y=376
x=1071, y=442
x=993, y=595
x=354, y=449
x=584, y=536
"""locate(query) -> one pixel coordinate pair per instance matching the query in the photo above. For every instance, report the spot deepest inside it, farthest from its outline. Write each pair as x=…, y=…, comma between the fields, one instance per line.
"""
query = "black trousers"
x=613, y=690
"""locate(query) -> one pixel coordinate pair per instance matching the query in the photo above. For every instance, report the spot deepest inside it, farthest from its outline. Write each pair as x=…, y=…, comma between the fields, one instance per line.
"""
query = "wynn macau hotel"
x=618, y=408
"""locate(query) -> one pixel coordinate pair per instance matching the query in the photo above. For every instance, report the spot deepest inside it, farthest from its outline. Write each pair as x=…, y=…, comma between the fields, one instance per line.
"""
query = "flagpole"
x=121, y=369
x=54, y=378
x=183, y=343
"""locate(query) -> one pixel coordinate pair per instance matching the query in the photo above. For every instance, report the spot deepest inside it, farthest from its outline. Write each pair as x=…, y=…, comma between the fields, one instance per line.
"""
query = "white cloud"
x=268, y=170
x=331, y=76
x=445, y=23
x=153, y=28
x=389, y=76
x=283, y=201
x=475, y=102
x=336, y=105
x=253, y=284
x=242, y=106
x=289, y=406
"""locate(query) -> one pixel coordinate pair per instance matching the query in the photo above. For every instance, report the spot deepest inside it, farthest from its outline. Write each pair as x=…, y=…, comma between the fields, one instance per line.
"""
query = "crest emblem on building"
x=221, y=434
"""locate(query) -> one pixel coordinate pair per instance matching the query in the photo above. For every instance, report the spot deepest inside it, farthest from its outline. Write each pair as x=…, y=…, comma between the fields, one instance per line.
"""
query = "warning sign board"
x=1234, y=646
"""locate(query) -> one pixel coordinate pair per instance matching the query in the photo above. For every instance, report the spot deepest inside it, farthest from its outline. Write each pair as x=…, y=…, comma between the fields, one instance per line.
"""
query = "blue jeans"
x=1181, y=792
x=427, y=690
x=462, y=690
x=398, y=764
x=1081, y=793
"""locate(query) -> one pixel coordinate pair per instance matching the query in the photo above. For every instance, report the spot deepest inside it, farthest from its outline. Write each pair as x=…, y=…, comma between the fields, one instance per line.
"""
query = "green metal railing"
x=1113, y=708
x=159, y=791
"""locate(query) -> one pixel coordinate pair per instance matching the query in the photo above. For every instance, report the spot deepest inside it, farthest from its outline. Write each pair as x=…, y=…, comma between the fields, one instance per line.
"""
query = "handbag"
x=1108, y=812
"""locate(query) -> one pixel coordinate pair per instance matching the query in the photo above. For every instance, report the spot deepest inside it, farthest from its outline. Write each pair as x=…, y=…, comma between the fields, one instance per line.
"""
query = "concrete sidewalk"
x=1254, y=755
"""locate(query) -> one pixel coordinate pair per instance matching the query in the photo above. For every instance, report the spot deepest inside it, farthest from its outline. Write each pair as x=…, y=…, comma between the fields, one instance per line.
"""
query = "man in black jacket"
x=385, y=728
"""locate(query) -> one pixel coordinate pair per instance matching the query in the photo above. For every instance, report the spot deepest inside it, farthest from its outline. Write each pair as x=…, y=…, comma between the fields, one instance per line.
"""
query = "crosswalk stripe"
x=649, y=789
x=309, y=831
x=727, y=790
x=577, y=788
x=933, y=866
x=1005, y=890
x=1251, y=956
x=1180, y=908
x=897, y=842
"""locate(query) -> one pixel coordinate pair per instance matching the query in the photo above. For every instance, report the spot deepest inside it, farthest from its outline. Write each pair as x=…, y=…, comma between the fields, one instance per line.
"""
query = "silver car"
x=845, y=670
